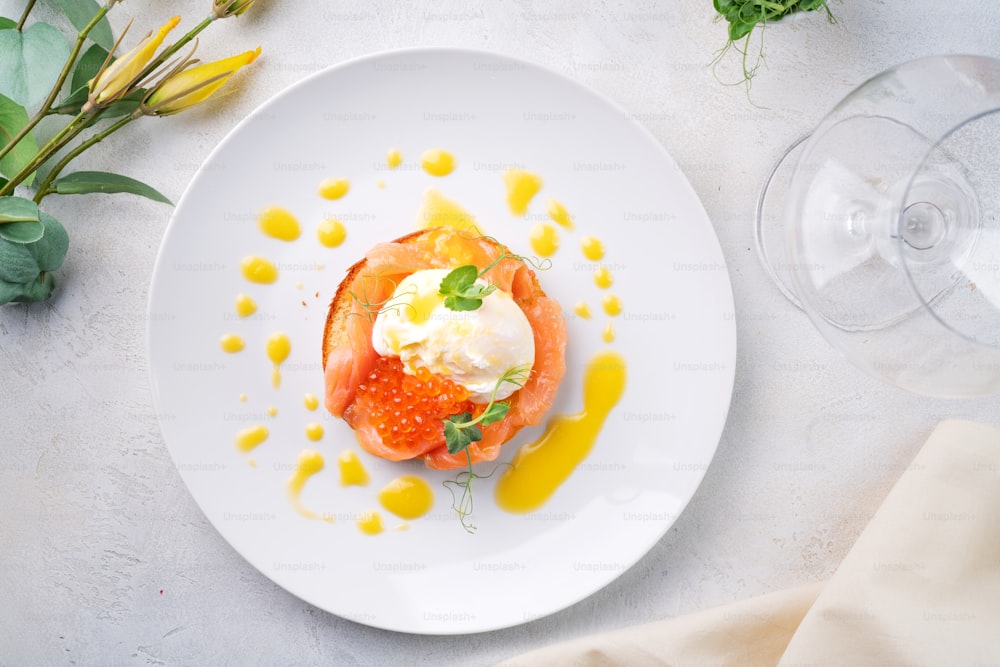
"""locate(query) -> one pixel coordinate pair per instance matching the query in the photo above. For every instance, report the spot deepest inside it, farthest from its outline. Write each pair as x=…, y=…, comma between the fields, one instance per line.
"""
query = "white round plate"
x=676, y=332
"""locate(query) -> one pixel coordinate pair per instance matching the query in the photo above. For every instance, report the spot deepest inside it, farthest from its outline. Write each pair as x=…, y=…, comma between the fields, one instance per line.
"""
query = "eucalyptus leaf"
x=10, y=291
x=72, y=104
x=30, y=62
x=88, y=182
x=80, y=13
x=13, y=118
x=17, y=263
x=6, y=23
x=87, y=67
x=22, y=232
x=17, y=209
x=39, y=289
x=50, y=250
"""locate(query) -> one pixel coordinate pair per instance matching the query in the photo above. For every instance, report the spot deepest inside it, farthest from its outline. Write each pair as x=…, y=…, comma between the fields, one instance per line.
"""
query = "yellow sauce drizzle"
x=314, y=431
x=408, y=497
x=522, y=186
x=310, y=401
x=582, y=309
x=393, y=158
x=612, y=305
x=439, y=211
x=592, y=248
x=331, y=232
x=559, y=214
x=603, y=277
x=352, y=470
x=544, y=239
x=272, y=411
x=278, y=349
x=249, y=438
x=370, y=523
x=231, y=343
x=243, y=398
x=279, y=223
x=310, y=462
x=334, y=188
x=245, y=306
x=608, y=335
x=437, y=162
x=258, y=270
x=540, y=467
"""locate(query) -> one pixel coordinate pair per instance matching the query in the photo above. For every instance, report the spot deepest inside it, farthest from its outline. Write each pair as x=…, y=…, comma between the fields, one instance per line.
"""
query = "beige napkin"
x=921, y=586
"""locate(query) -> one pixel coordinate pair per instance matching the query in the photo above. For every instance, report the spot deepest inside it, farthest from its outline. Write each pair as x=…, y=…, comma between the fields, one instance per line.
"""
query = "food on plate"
x=441, y=345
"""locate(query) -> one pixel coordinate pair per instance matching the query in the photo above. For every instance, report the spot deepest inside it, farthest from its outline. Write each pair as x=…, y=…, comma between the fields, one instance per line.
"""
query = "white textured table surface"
x=106, y=559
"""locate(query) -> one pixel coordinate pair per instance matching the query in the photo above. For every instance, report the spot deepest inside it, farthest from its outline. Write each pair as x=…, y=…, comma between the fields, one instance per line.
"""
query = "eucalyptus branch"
x=79, y=123
x=67, y=68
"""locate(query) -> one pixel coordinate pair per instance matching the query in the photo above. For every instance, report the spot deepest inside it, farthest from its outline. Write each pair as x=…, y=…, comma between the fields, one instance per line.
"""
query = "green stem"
x=43, y=111
x=64, y=136
x=45, y=189
x=174, y=48
x=24, y=15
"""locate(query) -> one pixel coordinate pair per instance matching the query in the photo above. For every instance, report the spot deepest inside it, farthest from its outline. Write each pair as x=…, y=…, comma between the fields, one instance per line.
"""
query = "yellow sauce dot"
x=540, y=467
x=559, y=214
x=309, y=463
x=279, y=223
x=272, y=411
x=278, y=349
x=370, y=523
x=582, y=309
x=522, y=186
x=439, y=211
x=437, y=162
x=408, y=497
x=603, y=277
x=250, y=437
x=252, y=463
x=352, y=470
x=314, y=431
x=380, y=184
x=231, y=343
x=544, y=239
x=243, y=398
x=393, y=158
x=310, y=401
x=612, y=305
x=331, y=232
x=608, y=335
x=258, y=270
x=334, y=188
x=245, y=306
x=592, y=248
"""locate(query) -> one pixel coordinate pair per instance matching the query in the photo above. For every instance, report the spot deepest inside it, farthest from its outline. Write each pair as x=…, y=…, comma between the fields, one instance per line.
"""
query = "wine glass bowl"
x=882, y=224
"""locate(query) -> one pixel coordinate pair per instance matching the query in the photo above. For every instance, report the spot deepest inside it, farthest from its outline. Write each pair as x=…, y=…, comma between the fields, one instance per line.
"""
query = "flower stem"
x=43, y=111
x=45, y=187
x=80, y=122
x=174, y=48
x=24, y=15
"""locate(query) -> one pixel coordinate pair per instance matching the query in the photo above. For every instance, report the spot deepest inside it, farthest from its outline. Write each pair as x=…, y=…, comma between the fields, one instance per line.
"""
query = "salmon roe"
x=408, y=410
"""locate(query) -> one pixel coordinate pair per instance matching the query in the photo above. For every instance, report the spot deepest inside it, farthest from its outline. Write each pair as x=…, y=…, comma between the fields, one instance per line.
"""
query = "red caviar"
x=408, y=410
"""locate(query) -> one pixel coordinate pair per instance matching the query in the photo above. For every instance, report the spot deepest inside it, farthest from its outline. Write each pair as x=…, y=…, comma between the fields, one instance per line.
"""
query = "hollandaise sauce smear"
x=278, y=348
x=540, y=467
x=408, y=497
x=310, y=462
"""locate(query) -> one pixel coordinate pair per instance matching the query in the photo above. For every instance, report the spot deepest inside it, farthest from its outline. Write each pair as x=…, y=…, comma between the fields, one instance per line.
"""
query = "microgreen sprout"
x=371, y=309
x=460, y=288
x=461, y=430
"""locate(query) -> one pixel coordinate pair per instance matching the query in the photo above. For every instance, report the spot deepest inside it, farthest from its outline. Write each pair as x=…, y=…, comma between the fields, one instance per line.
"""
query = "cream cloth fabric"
x=920, y=587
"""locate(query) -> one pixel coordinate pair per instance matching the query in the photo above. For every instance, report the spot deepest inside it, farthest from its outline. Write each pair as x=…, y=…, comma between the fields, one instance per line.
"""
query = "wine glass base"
x=769, y=227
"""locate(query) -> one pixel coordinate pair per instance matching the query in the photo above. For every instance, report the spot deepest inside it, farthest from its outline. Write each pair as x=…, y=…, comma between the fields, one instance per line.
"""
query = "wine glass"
x=883, y=225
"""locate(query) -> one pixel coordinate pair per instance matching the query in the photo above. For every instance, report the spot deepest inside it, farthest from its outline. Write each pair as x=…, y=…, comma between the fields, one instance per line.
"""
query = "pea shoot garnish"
x=460, y=288
x=461, y=430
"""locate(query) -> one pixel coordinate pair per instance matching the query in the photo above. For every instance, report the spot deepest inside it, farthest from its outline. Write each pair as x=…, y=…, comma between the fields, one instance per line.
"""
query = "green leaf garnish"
x=460, y=290
x=461, y=430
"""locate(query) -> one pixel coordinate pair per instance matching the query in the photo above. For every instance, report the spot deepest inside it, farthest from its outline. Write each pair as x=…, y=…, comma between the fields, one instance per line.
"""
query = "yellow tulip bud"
x=116, y=79
x=194, y=85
